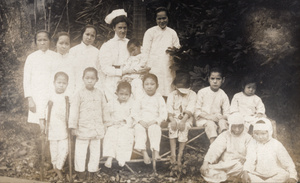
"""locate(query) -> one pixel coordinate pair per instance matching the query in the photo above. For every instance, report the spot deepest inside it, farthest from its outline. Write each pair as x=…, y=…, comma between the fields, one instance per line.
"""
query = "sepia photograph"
x=149, y=91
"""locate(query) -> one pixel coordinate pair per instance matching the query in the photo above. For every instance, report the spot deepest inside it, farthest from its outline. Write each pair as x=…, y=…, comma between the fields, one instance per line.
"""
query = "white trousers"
x=211, y=128
x=154, y=134
x=118, y=143
x=81, y=147
x=59, y=152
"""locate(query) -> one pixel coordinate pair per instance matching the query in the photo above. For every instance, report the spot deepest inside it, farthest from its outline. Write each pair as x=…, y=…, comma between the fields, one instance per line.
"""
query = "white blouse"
x=83, y=56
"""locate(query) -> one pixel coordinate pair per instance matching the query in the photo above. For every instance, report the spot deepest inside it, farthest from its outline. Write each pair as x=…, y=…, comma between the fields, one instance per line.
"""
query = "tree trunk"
x=139, y=19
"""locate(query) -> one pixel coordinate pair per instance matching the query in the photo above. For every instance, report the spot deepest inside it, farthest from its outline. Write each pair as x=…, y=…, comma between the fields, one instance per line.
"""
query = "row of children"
x=127, y=121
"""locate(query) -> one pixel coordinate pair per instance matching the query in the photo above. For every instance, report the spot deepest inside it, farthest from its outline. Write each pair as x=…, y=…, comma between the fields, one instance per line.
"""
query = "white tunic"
x=112, y=56
x=65, y=63
x=37, y=81
x=248, y=106
x=155, y=43
x=118, y=140
x=58, y=124
x=269, y=159
x=84, y=56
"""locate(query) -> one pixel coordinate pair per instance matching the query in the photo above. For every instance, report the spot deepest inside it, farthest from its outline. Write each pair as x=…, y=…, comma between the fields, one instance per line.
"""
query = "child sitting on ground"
x=180, y=106
x=249, y=104
x=148, y=113
x=267, y=159
x=57, y=127
x=118, y=140
x=227, y=154
x=86, y=119
x=212, y=106
x=136, y=67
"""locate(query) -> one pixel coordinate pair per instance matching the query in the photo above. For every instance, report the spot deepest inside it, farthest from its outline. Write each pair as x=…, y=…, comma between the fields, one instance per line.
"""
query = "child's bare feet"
x=146, y=157
x=172, y=159
x=157, y=156
x=108, y=162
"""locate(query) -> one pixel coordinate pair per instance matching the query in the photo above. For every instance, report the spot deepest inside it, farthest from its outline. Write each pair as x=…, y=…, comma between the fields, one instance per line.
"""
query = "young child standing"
x=86, y=118
x=135, y=66
x=181, y=106
x=247, y=103
x=212, y=106
x=57, y=127
x=148, y=113
x=267, y=159
x=227, y=154
x=118, y=140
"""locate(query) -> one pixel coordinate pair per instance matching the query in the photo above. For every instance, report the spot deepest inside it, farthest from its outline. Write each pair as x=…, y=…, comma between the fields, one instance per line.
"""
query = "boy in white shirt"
x=212, y=106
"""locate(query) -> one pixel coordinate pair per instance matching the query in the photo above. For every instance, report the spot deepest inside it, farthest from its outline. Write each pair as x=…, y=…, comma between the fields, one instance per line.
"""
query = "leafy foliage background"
x=260, y=37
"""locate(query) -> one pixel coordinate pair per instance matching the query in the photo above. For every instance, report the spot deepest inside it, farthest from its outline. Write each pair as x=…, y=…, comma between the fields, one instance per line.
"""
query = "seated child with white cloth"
x=135, y=66
x=181, y=106
x=226, y=155
x=267, y=159
x=148, y=113
x=118, y=140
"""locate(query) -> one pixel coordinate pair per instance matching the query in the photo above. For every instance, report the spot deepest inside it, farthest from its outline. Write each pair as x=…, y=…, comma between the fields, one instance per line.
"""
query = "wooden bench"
x=138, y=157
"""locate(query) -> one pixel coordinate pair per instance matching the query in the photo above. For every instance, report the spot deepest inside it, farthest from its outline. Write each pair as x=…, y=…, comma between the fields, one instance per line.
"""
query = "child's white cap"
x=114, y=14
x=267, y=125
x=236, y=119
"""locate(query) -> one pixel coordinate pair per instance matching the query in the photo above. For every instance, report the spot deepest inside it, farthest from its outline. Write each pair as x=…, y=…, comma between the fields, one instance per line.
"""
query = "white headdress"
x=114, y=14
x=267, y=125
x=235, y=119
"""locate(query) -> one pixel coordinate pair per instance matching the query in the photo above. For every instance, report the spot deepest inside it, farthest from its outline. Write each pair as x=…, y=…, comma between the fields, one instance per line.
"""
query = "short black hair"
x=41, y=31
x=248, y=79
x=119, y=19
x=88, y=26
x=124, y=85
x=61, y=34
x=182, y=78
x=133, y=41
x=90, y=69
x=159, y=9
x=216, y=69
x=152, y=76
x=61, y=74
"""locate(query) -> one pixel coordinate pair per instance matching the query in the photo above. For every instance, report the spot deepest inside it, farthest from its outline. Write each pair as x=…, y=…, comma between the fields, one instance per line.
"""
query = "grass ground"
x=18, y=157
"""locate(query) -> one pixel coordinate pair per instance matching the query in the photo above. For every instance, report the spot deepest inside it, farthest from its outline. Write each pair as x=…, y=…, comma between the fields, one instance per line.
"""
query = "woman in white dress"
x=64, y=62
x=114, y=52
x=156, y=41
x=85, y=55
x=37, y=77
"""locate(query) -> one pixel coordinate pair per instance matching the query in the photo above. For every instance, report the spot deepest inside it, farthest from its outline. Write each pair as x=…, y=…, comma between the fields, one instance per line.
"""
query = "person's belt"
x=116, y=66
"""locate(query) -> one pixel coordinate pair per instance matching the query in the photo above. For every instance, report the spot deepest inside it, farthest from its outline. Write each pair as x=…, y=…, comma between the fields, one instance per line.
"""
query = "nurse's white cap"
x=114, y=14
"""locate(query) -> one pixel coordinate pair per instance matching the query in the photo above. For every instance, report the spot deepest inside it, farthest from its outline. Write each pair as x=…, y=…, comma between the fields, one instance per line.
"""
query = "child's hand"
x=42, y=125
x=245, y=177
x=143, y=70
x=259, y=115
x=31, y=105
x=181, y=126
x=174, y=125
x=144, y=124
x=204, y=168
x=291, y=180
x=213, y=118
x=220, y=116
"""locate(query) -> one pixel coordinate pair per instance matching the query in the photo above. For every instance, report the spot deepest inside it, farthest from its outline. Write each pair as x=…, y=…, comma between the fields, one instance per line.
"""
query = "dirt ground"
x=18, y=156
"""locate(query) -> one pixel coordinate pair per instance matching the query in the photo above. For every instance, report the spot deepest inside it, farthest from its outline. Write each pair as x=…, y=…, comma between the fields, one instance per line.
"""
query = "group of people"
x=125, y=90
